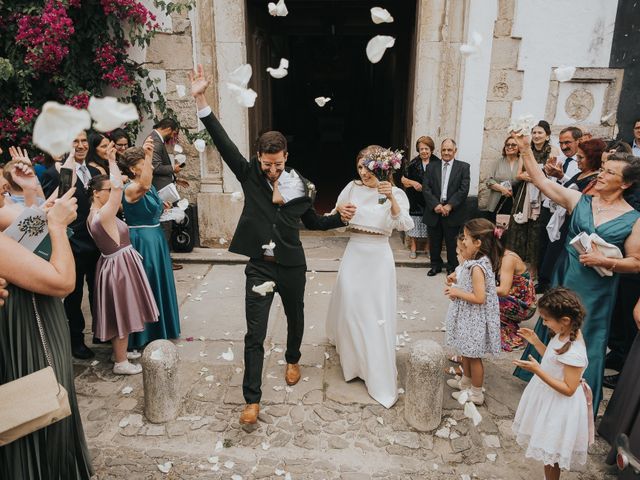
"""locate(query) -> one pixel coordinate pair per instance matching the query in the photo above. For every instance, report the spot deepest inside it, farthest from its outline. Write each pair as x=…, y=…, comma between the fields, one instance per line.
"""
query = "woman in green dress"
x=142, y=209
x=58, y=451
x=616, y=222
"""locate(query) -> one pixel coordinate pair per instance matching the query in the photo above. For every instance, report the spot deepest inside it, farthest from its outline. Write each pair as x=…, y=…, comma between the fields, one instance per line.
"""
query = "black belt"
x=269, y=258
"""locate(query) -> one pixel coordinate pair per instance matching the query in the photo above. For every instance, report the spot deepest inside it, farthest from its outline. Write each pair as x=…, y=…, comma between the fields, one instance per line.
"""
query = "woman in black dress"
x=412, y=183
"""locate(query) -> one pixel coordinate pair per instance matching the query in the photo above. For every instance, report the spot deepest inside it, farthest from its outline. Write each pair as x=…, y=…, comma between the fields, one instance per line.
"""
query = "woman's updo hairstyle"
x=95, y=184
x=129, y=159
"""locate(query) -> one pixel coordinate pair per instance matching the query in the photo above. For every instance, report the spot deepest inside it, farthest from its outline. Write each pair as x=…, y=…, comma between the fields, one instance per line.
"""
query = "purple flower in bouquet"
x=382, y=162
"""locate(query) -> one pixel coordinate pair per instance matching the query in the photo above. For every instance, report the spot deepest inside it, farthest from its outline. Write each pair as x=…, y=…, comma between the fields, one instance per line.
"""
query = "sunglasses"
x=511, y=145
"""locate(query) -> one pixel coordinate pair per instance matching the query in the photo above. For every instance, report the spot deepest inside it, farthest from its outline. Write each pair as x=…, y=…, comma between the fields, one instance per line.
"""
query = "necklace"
x=600, y=210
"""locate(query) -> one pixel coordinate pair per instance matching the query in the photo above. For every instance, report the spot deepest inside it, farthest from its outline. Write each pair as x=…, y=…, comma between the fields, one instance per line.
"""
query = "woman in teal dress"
x=608, y=215
x=58, y=451
x=142, y=209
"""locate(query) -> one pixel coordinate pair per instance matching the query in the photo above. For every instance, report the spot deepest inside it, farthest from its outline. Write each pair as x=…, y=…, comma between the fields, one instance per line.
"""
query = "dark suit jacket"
x=81, y=241
x=162, y=169
x=262, y=220
x=414, y=172
x=457, y=192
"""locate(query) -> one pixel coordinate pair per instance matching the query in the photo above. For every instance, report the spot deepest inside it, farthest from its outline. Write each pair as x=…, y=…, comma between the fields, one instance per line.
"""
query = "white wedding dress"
x=361, y=321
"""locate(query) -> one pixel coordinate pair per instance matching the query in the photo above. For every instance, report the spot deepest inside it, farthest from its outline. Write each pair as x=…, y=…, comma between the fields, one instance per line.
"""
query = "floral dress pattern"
x=474, y=330
x=515, y=307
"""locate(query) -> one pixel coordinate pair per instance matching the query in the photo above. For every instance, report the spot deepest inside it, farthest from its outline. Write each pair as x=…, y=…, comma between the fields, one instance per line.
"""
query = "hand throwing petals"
x=241, y=75
x=380, y=15
x=264, y=288
x=244, y=96
x=322, y=101
x=564, y=73
x=57, y=126
x=377, y=46
x=279, y=10
x=109, y=114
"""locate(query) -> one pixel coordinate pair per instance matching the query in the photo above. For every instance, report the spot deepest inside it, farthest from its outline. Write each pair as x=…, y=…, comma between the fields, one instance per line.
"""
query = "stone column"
x=424, y=385
x=160, y=378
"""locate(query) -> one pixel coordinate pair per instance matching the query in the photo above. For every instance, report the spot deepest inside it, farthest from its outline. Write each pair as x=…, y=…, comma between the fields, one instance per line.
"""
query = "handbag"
x=34, y=401
x=502, y=219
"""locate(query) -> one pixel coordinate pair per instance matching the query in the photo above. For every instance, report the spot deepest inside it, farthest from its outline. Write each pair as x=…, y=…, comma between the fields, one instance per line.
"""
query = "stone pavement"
x=322, y=428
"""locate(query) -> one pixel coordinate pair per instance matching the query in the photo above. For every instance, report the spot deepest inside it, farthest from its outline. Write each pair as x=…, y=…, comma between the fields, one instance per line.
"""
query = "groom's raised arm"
x=228, y=150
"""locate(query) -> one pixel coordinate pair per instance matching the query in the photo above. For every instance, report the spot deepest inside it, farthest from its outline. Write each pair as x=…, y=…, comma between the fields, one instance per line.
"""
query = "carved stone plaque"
x=579, y=104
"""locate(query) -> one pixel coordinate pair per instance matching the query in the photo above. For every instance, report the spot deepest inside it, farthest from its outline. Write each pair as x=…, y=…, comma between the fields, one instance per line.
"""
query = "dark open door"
x=325, y=43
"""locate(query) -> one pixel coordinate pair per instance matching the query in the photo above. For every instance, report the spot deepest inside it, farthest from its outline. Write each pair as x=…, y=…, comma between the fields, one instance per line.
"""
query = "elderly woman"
x=412, y=183
x=503, y=180
x=616, y=222
x=524, y=235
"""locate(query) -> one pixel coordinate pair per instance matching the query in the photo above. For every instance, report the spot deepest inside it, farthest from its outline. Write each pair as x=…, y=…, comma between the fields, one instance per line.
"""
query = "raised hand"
x=198, y=81
x=63, y=211
x=148, y=147
x=21, y=154
x=111, y=152
x=524, y=141
x=24, y=176
x=528, y=334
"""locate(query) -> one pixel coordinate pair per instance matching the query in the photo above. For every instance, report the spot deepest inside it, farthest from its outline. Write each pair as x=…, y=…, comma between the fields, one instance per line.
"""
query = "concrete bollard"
x=424, y=385
x=160, y=378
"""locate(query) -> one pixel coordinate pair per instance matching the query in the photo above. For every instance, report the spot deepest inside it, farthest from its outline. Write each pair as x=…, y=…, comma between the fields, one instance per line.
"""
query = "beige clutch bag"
x=34, y=401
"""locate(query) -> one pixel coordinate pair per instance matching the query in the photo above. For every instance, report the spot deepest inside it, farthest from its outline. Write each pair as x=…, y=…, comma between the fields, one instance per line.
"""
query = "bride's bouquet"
x=382, y=162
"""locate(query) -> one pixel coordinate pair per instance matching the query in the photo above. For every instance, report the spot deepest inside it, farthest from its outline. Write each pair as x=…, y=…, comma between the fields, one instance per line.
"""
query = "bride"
x=361, y=321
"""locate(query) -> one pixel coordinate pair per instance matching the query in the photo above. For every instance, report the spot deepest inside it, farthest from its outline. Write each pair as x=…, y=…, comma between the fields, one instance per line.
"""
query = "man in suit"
x=276, y=200
x=445, y=189
x=85, y=252
x=164, y=172
x=635, y=143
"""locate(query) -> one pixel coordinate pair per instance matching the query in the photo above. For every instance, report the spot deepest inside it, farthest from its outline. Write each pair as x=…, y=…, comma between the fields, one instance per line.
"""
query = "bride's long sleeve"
x=403, y=221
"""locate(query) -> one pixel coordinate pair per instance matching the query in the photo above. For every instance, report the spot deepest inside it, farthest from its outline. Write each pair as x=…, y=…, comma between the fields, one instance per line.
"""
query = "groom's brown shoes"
x=292, y=374
x=250, y=413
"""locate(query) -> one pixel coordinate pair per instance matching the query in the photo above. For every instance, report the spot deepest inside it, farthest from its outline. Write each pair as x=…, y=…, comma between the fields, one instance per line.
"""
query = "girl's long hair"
x=490, y=245
x=561, y=302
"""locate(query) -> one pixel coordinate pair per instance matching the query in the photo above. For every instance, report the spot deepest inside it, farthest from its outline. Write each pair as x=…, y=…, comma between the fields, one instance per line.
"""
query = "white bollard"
x=160, y=378
x=424, y=385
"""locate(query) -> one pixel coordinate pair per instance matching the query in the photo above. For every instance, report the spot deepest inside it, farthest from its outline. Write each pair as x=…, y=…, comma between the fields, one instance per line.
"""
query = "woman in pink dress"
x=123, y=299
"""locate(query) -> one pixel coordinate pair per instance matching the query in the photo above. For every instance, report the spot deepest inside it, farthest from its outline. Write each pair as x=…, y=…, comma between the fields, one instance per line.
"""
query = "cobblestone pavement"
x=322, y=428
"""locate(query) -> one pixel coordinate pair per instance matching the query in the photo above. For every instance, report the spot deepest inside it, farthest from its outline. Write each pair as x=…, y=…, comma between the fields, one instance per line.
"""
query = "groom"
x=276, y=200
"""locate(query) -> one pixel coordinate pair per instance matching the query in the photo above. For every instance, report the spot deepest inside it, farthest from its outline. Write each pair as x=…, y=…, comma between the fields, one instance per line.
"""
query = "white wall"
x=482, y=16
x=559, y=32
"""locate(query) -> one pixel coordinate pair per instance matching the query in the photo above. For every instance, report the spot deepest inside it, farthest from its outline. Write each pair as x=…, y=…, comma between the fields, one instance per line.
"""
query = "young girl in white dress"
x=553, y=421
x=473, y=318
x=361, y=321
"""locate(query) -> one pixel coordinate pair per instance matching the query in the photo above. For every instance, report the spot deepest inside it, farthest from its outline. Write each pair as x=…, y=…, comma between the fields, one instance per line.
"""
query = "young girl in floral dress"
x=473, y=319
x=553, y=421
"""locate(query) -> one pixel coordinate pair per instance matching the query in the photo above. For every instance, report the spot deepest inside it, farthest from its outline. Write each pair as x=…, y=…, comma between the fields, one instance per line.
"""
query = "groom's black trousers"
x=290, y=283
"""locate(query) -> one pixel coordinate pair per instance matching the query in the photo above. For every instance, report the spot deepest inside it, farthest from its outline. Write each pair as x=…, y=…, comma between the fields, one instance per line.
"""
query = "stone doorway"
x=325, y=42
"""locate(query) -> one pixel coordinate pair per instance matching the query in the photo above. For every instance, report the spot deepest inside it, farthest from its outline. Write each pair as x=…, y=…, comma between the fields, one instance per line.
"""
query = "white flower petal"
x=180, y=158
x=200, y=145
x=57, y=126
x=244, y=96
x=278, y=10
x=228, y=355
x=564, y=73
x=237, y=196
x=322, y=101
x=181, y=90
x=468, y=50
x=269, y=246
x=183, y=203
x=523, y=125
x=470, y=411
x=377, y=46
x=127, y=390
x=380, y=15
x=464, y=397
x=380, y=420
x=177, y=148
x=264, y=288
x=241, y=75
x=229, y=464
x=108, y=113
x=165, y=467
x=277, y=72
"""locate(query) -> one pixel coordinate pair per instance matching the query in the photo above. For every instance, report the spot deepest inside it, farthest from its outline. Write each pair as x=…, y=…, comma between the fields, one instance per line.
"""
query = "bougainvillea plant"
x=68, y=50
